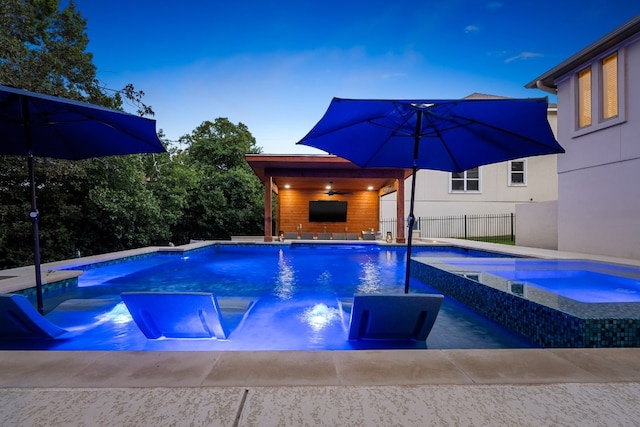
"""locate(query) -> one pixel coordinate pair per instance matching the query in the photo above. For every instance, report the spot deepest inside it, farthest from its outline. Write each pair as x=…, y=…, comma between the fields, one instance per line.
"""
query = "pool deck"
x=372, y=388
x=532, y=387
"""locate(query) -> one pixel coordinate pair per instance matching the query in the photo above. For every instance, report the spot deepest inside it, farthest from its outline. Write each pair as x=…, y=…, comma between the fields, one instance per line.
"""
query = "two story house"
x=598, y=97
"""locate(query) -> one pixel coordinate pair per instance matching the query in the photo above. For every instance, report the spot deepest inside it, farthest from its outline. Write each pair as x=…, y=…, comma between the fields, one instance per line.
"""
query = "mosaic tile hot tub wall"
x=619, y=325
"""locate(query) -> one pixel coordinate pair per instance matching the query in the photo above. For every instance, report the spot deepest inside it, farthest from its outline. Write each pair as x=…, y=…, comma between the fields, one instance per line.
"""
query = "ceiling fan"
x=331, y=191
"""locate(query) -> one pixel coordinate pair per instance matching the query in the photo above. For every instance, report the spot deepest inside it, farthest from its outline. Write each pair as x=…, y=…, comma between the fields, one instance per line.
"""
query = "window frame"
x=466, y=180
x=586, y=72
x=510, y=182
x=598, y=121
x=603, y=84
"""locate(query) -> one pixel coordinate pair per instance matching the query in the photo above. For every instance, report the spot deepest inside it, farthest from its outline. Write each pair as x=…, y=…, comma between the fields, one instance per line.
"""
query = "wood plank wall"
x=292, y=206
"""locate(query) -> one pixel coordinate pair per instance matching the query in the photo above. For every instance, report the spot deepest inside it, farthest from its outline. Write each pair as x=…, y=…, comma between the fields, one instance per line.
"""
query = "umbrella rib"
x=346, y=125
x=444, y=143
x=366, y=163
x=393, y=128
x=502, y=130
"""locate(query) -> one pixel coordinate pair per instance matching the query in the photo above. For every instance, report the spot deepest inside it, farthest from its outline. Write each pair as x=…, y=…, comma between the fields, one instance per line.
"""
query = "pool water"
x=582, y=281
x=298, y=297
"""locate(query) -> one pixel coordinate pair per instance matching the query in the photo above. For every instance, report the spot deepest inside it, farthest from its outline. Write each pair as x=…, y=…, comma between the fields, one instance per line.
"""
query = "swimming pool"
x=296, y=294
x=556, y=303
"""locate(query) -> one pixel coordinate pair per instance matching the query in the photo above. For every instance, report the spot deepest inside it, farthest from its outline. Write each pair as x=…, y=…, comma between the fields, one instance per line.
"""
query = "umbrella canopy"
x=50, y=126
x=33, y=124
x=447, y=135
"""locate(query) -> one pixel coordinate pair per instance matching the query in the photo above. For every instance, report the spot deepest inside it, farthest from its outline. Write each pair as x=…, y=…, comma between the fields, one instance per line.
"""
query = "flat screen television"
x=327, y=211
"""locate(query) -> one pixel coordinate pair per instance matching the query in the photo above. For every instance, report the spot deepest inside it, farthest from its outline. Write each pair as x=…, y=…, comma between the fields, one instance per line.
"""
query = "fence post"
x=465, y=226
x=513, y=239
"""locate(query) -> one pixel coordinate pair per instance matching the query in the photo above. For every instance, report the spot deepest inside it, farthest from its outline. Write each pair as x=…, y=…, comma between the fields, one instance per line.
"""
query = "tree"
x=220, y=145
x=172, y=182
x=43, y=49
x=121, y=212
x=228, y=198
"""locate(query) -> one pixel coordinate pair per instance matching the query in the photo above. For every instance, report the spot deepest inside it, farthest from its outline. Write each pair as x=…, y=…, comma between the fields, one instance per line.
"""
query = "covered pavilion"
x=292, y=181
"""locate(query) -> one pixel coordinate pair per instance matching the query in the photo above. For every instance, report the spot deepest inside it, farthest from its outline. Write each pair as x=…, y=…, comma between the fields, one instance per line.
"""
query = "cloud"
x=393, y=75
x=497, y=53
x=524, y=56
x=469, y=29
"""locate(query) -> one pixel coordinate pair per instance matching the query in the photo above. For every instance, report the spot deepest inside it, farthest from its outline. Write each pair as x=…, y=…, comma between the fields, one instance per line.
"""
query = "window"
x=517, y=172
x=599, y=91
x=467, y=181
x=584, y=98
x=610, y=86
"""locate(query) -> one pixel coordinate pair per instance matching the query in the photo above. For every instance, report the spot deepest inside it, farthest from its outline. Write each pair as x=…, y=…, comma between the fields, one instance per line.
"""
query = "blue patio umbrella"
x=33, y=124
x=447, y=135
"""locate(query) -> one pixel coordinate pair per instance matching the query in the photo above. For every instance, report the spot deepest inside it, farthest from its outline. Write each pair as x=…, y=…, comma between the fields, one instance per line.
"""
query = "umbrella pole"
x=412, y=221
x=412, y=218
x=34, y=210
x=36, y=233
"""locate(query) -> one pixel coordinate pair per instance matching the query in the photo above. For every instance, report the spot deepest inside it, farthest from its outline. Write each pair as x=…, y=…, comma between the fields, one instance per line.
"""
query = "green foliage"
x=172, y=183
x=14, y=213
x=95, y=206
x=505, y=240
x=60, y=189
x=120, y=210
x=228, y=198
x=43, y=49
x=220, y=146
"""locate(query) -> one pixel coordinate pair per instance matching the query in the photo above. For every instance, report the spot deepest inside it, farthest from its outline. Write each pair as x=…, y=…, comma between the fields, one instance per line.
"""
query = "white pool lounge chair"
x=395, y=317
x=19, y=319
x=324, y=236
x=176, y=314
x=306, y=236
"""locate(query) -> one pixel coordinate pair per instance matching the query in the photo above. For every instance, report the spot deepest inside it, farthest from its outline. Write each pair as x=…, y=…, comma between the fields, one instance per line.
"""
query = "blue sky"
x=276, y=65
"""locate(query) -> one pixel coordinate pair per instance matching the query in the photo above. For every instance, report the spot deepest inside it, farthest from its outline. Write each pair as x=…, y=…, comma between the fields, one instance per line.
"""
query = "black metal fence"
x=489, y=227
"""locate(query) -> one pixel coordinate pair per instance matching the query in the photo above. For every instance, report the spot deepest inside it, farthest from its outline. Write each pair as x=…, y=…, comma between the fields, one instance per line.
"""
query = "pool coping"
x=104, y=369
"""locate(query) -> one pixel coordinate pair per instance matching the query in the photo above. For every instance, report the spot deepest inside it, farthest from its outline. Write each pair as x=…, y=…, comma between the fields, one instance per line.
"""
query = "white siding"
x=537, y=225
x=496, y=196
x=599, y=176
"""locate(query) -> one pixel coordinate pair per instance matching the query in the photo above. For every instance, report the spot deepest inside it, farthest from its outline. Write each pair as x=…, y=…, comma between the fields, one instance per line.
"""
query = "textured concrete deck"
x=586, y=387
